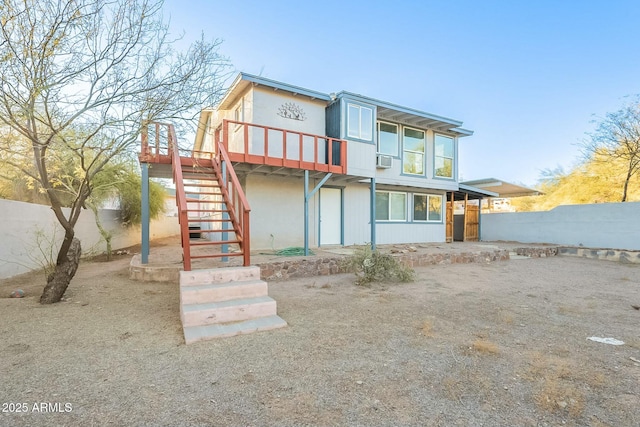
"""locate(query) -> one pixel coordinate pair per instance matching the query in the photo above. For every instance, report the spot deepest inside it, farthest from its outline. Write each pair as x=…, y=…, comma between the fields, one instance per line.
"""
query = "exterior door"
x=330, y=216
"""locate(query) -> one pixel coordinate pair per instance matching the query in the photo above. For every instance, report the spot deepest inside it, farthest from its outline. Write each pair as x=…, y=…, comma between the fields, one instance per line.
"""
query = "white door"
x=330, y=216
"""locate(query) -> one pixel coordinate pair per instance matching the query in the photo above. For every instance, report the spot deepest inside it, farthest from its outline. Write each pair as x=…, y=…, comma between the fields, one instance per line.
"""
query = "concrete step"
x=219, y=275
x=227, y=311
x=199, y=333
x=217, y=292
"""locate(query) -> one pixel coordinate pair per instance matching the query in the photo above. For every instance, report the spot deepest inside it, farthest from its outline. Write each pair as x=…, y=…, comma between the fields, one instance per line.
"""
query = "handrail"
x=240, y=204
x=181, y=197
x=320, y=165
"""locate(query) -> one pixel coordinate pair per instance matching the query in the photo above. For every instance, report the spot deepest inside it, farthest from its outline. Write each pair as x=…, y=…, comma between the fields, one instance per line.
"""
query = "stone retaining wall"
x=532, y=252
x=290, y=269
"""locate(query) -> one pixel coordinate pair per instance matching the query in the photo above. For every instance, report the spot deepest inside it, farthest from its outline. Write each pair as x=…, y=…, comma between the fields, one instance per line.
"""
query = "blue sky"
x=528, y=77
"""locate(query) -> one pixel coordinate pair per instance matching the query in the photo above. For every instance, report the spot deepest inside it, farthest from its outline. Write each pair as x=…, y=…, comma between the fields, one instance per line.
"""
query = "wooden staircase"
x=213, y=228
x=214, y=222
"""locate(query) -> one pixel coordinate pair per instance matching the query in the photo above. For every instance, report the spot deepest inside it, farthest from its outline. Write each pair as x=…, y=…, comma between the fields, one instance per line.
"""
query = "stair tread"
x=237, y=283
x=191, y=308
x=220, y=330
x=212, y=243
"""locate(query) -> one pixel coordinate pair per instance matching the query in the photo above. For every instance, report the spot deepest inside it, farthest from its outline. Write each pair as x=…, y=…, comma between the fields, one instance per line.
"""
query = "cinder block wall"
x=29, y=231
x=602, y=225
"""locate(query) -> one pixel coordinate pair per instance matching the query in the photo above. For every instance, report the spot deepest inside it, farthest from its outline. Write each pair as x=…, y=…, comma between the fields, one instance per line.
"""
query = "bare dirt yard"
x=495, y=344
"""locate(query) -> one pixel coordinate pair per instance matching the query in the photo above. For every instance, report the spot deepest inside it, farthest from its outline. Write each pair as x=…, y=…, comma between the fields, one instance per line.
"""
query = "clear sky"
x=528, y=77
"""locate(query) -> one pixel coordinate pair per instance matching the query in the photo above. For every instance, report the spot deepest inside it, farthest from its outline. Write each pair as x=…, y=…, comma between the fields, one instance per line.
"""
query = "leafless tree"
x=617, y=139
x=80, y=77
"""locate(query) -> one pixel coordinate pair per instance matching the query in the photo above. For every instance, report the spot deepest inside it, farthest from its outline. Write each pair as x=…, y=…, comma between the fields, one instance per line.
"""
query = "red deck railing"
x=266, y=145
x=236, y=200
x=164, y=149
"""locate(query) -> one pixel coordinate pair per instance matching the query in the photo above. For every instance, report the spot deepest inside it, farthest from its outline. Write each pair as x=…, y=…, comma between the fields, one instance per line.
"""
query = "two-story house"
x=275, y=166
x=338, y=169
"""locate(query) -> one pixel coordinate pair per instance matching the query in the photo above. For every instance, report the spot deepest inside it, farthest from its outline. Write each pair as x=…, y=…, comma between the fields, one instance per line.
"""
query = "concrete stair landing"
x=224, y=302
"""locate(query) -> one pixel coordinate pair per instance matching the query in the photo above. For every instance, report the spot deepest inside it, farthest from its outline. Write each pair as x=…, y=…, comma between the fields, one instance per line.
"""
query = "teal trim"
x=406, y=110
x=145, y=213
x=372, y=221
x=306, y=213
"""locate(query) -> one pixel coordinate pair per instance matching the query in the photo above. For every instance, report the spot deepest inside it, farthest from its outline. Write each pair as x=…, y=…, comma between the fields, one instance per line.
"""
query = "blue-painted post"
x=145, y=213
x=373, y=214
x=225, y=215
x=306, y=213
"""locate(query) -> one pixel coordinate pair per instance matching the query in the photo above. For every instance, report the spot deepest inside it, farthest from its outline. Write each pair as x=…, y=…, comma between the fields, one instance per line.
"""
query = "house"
x=275, y=165
x=316, y=168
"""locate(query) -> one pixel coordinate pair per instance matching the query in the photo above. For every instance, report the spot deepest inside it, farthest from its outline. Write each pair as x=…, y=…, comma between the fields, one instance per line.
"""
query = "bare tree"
x=80, y=77
x=617, y=140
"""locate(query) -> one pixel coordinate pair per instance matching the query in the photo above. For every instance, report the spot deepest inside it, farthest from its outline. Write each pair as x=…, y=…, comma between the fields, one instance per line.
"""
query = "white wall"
x=603, y=225
x=277, y=208
x=26, y=229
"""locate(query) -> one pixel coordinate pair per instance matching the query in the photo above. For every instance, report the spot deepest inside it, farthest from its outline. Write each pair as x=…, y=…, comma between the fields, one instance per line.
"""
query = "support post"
x=145, y=213
x=225, y=215
x=306, y=211
x=372, y=204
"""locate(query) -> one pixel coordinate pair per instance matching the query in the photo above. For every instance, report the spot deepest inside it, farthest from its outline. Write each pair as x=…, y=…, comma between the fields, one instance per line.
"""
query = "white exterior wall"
x=603, y=225
x=388, y=233
x=361, y=159
x=277, y=208
x=24, y=224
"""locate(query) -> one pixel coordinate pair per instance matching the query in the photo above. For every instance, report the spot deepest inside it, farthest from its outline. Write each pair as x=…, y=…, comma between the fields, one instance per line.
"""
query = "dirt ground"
x=495, y=344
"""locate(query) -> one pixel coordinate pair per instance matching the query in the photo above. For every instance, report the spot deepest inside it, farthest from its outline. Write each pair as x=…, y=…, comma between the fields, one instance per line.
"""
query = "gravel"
x=495, y=344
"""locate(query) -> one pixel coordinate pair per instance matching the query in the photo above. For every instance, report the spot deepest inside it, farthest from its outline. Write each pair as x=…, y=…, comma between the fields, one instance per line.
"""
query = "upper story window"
x=238, y=114
x=359, y=122
x=413, y=156
x=388, y=139
x=444, y=156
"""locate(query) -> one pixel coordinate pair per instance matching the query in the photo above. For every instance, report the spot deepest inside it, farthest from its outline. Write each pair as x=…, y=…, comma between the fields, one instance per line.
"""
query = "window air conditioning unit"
x=383, y=162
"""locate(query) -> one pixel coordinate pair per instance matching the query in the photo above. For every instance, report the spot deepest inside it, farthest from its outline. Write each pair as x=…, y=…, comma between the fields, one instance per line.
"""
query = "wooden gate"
x=449, y=220
x=471, y=223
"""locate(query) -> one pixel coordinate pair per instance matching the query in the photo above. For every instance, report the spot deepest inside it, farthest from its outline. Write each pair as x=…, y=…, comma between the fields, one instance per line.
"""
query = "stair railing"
x=181, y=196
x=236, y=200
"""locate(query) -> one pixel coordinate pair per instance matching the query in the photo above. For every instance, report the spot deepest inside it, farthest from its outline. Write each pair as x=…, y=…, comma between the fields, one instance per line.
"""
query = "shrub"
x=372, y=266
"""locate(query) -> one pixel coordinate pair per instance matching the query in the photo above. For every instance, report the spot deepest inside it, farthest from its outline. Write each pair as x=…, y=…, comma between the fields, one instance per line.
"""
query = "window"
x=391, y=206
x=413, y=158
x=359, y=122
x=443, y=161
x=387, y=139
x=427, y=207
x=238, y=114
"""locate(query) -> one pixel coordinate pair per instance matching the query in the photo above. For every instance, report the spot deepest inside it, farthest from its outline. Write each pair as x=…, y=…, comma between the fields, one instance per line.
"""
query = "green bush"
x=372, y=266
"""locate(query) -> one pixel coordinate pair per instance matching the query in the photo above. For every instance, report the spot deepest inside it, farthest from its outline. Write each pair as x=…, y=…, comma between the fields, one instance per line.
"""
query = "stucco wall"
x=277, y=209
x=604, y=225
x=27, y=229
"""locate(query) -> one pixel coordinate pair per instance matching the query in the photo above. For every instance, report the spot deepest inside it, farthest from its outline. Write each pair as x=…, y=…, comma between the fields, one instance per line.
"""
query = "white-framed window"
x=388, y=139
x=359, y=122
x=391, y=206
x=427, y=207
x=413, y=143
x=444, y=156
x=238, y=114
